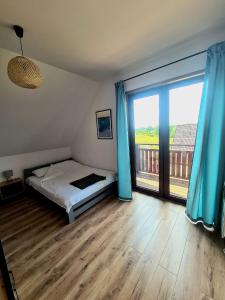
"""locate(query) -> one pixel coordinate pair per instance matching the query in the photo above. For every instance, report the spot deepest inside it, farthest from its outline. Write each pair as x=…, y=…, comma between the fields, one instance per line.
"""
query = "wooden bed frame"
x=84, y=204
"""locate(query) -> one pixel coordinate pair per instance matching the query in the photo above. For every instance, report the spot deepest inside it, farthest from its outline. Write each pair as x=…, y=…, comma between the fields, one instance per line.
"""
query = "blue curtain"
x=123, y=154
x=208, y=169
x=223, y=214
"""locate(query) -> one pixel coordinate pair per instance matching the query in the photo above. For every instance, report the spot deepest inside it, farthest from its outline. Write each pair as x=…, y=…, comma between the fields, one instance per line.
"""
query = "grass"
x=150, y=135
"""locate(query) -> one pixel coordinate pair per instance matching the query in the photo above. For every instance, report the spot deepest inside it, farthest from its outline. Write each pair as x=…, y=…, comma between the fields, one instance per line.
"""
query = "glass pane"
x=184, y=103
x=146, y=120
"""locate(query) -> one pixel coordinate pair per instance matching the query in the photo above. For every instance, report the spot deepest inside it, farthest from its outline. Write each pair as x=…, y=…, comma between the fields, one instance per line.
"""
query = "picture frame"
x=104, y=124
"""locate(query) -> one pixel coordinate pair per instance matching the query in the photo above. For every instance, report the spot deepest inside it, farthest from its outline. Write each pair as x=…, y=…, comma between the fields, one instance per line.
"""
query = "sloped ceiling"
x=45, y=118
x=99, y=37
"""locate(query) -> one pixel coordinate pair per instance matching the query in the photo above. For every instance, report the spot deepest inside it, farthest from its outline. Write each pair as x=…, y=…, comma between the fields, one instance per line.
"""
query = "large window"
x=163, y=122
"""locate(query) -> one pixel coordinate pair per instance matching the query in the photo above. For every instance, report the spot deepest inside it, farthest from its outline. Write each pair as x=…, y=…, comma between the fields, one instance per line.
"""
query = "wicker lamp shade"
x=24, y=73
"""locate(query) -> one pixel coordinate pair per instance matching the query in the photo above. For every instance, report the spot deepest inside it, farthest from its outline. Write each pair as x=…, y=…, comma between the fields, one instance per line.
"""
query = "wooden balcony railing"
x=147, y=160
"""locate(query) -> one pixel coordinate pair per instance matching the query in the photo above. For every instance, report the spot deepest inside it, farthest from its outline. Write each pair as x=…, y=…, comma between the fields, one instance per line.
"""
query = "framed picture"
x=104, y=124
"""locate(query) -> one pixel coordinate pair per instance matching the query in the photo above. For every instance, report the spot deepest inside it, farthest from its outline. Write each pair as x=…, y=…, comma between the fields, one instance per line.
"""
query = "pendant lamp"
x=21, y=70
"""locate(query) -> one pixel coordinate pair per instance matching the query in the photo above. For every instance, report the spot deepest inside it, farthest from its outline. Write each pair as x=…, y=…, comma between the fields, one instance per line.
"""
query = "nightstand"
x=11, y=188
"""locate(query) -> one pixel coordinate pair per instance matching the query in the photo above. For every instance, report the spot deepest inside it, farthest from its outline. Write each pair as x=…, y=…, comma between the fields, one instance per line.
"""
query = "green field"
x=150, y=135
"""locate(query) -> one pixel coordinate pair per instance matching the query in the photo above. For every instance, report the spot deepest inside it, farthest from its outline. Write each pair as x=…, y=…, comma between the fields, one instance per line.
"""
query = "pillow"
x=40, y=172
x=52, y=172
x=51, y=176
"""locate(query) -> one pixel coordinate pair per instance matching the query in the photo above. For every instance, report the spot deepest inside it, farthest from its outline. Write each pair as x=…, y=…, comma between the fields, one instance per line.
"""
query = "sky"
x=184, y=105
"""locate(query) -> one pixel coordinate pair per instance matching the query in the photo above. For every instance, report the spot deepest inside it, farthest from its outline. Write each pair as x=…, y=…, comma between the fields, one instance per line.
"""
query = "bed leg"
x=71, y=217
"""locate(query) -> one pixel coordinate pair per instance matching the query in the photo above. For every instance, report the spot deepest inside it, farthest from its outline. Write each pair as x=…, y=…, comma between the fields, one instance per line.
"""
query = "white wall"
x=19, y=162
x=86, y=147
x=102, y=153
x=44, y=118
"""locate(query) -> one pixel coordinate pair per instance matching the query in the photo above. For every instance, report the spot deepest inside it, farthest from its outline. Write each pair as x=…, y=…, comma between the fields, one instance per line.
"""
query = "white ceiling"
x=97, y=38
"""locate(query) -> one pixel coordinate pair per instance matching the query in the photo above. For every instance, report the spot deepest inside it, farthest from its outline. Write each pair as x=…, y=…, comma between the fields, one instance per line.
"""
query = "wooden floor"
x=145, y=249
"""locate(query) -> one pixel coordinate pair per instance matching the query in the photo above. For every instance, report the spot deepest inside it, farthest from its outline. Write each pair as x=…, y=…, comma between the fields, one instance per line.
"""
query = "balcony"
x=180, y=161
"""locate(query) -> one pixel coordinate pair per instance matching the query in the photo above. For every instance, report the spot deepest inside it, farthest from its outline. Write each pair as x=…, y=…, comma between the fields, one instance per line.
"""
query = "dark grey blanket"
x=86, y=181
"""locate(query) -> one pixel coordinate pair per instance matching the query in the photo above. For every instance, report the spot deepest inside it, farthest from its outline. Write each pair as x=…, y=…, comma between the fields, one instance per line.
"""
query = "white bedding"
x=55, y=185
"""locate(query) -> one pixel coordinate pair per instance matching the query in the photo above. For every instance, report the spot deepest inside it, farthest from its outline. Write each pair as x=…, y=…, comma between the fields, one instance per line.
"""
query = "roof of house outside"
x=184, y=138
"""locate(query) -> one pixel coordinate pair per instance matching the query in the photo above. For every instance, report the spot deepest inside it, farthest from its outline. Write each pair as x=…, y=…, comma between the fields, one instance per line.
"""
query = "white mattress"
x=57, y=187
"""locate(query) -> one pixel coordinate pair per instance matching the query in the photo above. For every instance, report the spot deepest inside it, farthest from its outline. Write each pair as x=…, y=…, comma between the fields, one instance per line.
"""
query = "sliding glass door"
x=162, y=125
x=146, y=124
x=184, y=102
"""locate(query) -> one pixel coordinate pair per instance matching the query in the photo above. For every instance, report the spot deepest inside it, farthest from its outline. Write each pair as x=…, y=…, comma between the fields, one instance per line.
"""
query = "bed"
x=55, y=185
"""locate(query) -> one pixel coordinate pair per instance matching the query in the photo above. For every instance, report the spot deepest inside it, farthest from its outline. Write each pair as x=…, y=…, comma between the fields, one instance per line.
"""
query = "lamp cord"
x=21, y=47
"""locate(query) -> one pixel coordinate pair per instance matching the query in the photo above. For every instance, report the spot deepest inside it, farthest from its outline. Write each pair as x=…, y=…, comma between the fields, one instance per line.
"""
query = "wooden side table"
x=11, y=188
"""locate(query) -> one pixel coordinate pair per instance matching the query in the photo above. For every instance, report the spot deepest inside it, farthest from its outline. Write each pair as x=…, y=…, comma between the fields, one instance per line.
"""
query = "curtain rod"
x=166, y=65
